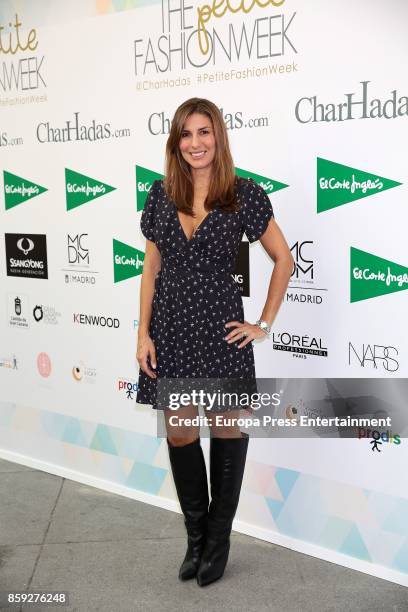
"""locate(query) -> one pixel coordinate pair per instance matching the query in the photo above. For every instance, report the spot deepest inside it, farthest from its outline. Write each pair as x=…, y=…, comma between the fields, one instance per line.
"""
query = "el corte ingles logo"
x=266, y=183
x=127, y=261
x=145, y=178
x=372, y=276
x=18, y=190
x=81, y=189
x=338, y=184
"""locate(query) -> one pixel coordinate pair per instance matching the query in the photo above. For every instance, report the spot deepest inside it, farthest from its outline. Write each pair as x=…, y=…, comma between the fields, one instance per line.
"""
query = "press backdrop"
x=315, y=100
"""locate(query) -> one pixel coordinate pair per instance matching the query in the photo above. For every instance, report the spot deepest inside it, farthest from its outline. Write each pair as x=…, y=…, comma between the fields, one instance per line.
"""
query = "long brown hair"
x=178, y=182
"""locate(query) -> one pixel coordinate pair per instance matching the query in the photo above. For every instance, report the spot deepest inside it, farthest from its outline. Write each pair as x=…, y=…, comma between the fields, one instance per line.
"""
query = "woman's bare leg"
x=223, y=424
x=178, y=433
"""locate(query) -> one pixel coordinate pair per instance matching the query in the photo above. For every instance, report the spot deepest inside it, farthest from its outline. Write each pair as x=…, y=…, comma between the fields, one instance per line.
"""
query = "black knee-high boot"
x=190, y=478
x=227, y=465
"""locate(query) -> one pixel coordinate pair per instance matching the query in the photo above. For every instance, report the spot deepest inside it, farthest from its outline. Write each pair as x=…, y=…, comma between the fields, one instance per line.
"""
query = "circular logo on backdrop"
x=77, y=373
x=44, y=365
x=38, y=313
x=26, y=245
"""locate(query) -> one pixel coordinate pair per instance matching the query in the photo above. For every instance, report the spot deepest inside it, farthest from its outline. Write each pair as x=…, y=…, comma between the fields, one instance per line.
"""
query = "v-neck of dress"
x=196, y=229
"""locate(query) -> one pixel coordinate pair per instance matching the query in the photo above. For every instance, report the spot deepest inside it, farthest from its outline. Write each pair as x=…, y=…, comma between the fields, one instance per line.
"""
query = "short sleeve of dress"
x=148, y=218
x=256, y=212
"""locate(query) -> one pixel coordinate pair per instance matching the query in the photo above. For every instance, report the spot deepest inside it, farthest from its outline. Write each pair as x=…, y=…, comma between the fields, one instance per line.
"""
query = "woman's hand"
x=252, y=332
x=145, y=349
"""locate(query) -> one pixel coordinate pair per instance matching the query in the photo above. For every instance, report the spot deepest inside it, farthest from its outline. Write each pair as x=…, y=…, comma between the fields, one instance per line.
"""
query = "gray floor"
x=114, y=554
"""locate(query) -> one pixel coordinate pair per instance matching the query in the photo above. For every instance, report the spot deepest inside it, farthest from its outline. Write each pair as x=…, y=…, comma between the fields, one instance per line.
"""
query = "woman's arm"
x=277, y=248
x=145, y=346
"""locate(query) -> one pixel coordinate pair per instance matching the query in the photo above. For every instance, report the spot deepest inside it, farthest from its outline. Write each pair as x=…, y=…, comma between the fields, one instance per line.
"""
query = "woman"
x=191, y=321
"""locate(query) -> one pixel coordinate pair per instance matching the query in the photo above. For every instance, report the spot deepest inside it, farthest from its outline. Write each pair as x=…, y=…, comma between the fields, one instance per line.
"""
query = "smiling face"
x=197, y=141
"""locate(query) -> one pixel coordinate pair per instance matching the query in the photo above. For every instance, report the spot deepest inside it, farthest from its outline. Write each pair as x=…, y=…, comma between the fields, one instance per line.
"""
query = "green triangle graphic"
x=144, y=180
x=81, y=189
x=127, y=261
x=18, y=190
x=371, y=276
x=268, y=184
x=338, y=184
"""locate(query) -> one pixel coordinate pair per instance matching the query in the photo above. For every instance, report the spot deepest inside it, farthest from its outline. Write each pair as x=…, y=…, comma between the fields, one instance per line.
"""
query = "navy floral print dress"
x=195, y=293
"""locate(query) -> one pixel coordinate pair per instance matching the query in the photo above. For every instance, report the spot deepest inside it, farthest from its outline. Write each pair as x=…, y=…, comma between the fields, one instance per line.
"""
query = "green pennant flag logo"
x=338, y=184
x=371, y=276
x=268, y=184
x=144, y=180
x=127, y=261
x=18, y=190
x=81, y=189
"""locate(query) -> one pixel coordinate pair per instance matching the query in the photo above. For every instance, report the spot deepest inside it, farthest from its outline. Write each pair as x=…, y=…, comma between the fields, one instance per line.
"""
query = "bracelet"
x=264, y=326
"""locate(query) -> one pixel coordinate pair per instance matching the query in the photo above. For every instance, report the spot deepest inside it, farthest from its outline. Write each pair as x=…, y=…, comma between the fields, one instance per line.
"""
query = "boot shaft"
x=227, y=466
x=190, y=478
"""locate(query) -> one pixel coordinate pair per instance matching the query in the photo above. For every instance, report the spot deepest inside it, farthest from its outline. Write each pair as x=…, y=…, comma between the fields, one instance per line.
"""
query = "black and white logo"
x=18, y=310
x=302, y=288
x=78, y=252
x=78, y=270
x=26, y=255
x=300, y=346
x=374, y=356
